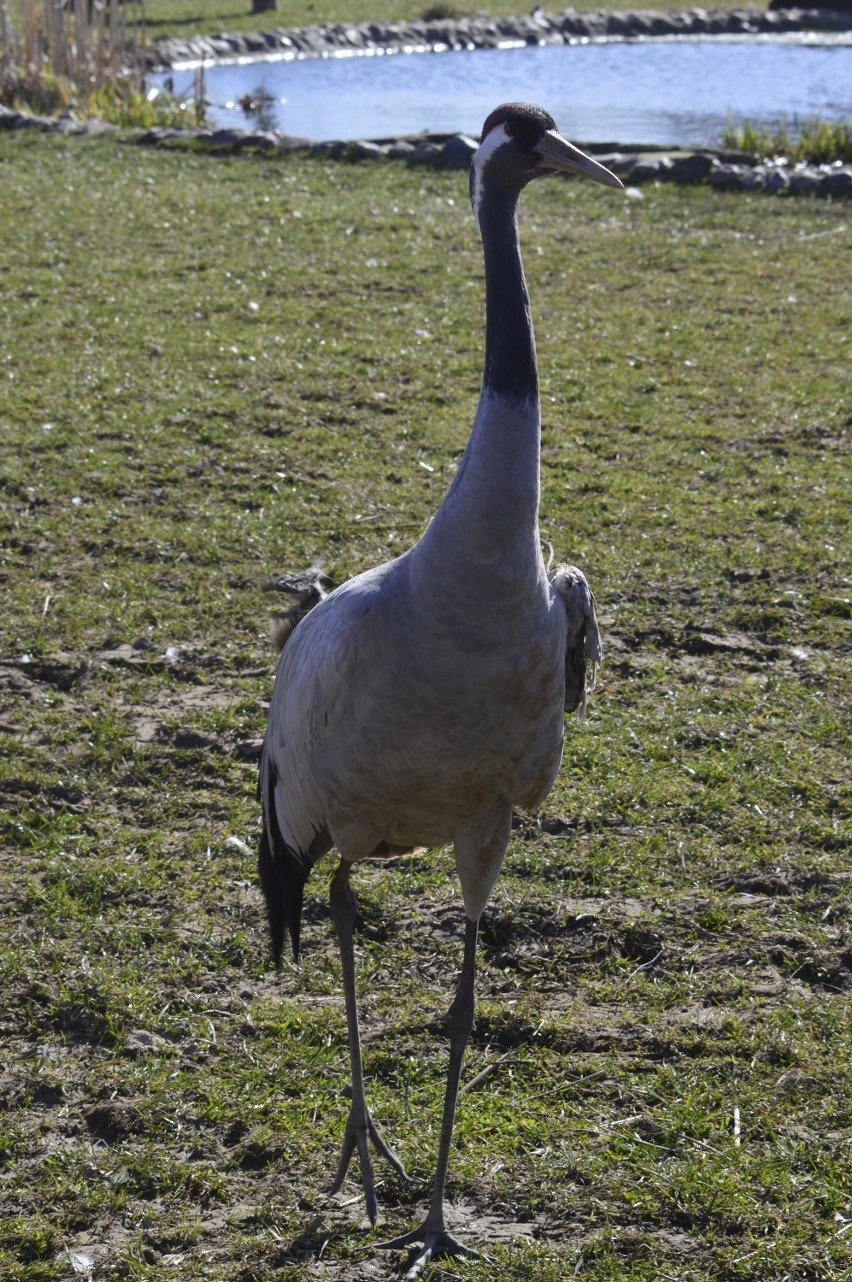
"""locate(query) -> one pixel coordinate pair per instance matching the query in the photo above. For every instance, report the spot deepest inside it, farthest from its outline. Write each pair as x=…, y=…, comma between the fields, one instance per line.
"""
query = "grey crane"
x=420, y=701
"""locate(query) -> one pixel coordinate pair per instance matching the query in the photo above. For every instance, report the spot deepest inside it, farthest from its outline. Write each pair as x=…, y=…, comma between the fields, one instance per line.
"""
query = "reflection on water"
x=261, y=107
x=657, y=91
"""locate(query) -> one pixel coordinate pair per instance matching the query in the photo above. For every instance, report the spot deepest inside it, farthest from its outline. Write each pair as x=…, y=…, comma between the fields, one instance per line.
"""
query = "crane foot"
x=436, y=1242
x=361, y=1130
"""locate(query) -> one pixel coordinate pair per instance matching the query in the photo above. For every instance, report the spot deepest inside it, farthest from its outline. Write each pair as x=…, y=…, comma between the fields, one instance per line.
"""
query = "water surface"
x=677, y=91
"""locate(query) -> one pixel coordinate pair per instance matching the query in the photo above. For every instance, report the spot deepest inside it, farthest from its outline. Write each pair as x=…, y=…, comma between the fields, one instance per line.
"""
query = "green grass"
x=214, y=369
x=813, y=141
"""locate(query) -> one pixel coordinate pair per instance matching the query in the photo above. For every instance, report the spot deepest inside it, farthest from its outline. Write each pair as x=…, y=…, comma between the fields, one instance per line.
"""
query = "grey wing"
x=583, y=649
x=312, y=680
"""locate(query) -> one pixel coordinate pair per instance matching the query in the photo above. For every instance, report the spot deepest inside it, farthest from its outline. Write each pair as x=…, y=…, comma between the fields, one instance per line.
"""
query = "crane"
x=419, y=702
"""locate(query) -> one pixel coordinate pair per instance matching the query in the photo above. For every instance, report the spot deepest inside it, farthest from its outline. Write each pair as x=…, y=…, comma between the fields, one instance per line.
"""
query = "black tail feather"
x=282, y=873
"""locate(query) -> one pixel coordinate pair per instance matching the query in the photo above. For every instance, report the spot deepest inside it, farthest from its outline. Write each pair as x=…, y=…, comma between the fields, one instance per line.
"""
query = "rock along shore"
x=566, y=26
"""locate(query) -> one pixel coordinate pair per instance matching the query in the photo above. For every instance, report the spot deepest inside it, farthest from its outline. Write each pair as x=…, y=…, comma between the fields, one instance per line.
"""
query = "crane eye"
x=511, y=128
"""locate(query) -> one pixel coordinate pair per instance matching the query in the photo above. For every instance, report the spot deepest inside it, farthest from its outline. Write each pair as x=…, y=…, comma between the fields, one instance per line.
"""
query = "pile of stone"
x=729, y=170
x=723, y=169
x=736, y=171
x=565, y=27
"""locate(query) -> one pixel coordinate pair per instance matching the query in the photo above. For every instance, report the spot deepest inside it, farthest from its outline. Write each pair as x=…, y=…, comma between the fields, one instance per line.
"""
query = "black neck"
x=510, y=363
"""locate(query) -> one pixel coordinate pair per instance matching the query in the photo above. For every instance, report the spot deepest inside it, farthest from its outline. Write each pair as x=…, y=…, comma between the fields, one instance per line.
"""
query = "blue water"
x=677, y=92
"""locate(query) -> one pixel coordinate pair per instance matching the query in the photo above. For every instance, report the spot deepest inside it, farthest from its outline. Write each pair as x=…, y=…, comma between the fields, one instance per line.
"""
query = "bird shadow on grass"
x=330, y=1235
x=309, y=1244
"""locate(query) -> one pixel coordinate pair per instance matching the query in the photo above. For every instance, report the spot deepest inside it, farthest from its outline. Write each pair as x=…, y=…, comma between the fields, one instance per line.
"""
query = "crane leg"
x=360, y=1127
x=432, y=1233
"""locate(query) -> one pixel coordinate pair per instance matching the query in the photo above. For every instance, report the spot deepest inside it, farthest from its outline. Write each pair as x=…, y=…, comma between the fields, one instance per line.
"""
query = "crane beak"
x=557, y=154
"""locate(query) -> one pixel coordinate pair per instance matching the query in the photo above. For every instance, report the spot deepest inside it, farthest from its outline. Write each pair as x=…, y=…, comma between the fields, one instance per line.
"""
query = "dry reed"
x=52, y=51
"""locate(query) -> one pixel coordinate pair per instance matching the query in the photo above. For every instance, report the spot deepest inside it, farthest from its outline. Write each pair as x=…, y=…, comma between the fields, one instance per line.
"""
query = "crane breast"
x=392, y=722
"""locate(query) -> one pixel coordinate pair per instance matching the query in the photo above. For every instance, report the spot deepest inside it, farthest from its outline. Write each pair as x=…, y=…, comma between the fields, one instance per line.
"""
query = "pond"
x=678, y=91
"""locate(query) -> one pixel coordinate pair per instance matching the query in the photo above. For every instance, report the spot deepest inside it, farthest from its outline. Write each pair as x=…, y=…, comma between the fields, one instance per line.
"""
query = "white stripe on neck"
x=495, y=139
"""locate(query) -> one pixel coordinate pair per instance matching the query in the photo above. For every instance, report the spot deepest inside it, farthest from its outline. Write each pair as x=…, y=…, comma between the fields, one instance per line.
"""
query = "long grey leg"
x=360, y=1127
x=433, y=1232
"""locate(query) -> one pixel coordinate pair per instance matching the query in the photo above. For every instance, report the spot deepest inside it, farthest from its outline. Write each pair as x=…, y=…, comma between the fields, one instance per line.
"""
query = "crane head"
x=519, y=143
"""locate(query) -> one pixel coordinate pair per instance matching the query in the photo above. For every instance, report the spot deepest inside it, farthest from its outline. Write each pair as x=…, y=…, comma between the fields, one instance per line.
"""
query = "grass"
x=243, y=373
x=812, y=141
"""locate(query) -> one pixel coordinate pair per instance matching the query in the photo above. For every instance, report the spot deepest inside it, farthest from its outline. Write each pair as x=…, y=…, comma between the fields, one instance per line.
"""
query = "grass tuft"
x=813, y=141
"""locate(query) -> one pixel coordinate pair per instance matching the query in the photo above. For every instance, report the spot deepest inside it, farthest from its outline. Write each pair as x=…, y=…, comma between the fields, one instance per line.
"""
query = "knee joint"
x=460, y=1017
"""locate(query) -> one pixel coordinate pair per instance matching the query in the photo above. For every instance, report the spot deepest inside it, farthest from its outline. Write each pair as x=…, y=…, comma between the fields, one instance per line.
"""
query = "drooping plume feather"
x=583, y=648
x=309, y=588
